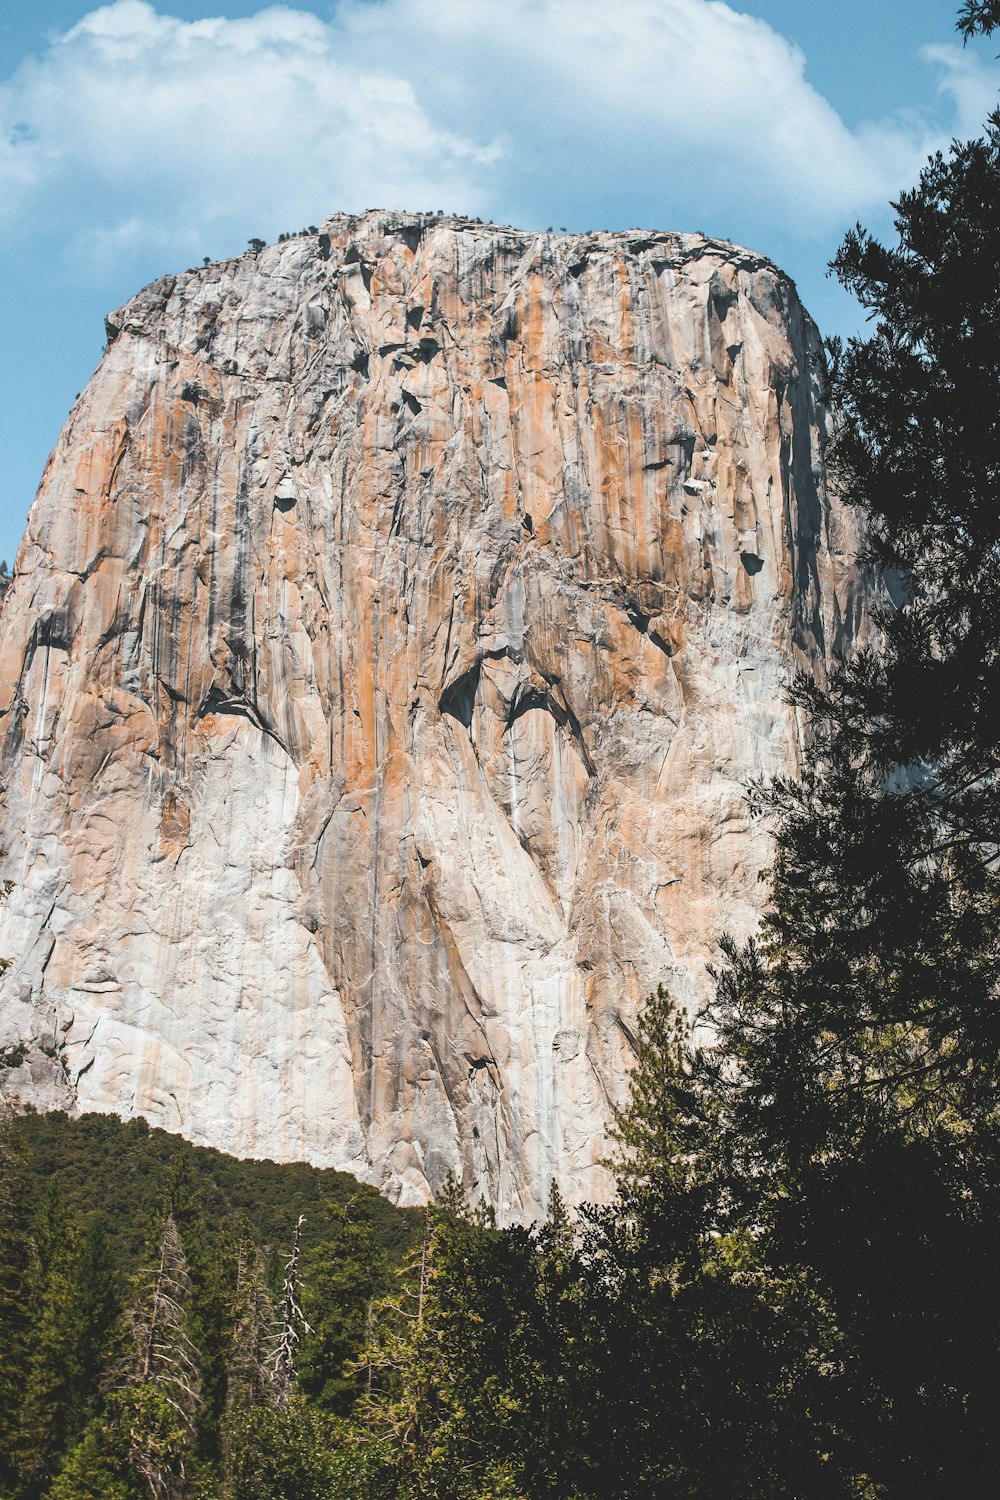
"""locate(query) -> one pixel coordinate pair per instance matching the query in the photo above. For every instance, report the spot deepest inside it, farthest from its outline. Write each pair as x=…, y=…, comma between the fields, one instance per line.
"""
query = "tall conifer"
x=14, y=1312
x=857, y=1073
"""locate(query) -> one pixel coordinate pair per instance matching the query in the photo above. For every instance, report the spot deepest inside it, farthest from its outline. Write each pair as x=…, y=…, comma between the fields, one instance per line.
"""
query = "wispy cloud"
x=968, y=81
x=135, y=125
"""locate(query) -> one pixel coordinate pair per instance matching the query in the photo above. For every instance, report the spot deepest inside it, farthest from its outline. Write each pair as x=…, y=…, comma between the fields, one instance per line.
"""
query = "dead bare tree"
x=160, y=1353
x=291, y=1318
x=160, y=1360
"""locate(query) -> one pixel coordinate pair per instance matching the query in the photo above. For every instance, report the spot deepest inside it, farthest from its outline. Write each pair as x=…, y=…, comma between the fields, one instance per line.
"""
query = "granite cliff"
x=401, y=616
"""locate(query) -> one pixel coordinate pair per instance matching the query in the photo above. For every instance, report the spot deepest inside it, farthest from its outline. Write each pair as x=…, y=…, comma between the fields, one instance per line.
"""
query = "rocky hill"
x=401, y=616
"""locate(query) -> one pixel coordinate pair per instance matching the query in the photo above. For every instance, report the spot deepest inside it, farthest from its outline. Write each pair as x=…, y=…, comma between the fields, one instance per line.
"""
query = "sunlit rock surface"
x=401, y=616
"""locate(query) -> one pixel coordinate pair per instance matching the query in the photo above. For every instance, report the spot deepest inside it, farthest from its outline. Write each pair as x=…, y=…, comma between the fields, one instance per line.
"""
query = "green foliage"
x=979, y=16
x=135, y=1451
x=473, y=1386
x=871, y=1003
x=158, y=1352
x=15, y=1255
x=72, y=1297
x=666, y=1164
x=291, y=1452
x=127, y=1172
x=96, y=1469
x=873, y=994
x=856, y=1070
x=252, y=1320
x=343, y=1275
x=96, y=1215
x=714, y=1367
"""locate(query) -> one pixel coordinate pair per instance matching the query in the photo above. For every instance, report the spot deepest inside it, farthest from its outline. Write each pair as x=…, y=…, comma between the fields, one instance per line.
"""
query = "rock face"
x=401, y=616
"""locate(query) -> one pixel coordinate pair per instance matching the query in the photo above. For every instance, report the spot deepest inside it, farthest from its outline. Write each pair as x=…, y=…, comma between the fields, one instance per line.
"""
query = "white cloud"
x=135, y=125
x=649, y=99
x=969, y=83
x=137, y=117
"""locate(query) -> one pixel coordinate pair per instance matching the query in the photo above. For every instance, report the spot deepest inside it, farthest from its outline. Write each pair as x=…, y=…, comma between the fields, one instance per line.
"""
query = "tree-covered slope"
x=123, y=1173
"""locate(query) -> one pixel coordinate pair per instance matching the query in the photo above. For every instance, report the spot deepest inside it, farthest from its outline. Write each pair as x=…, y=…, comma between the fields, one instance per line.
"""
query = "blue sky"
x=137, y=137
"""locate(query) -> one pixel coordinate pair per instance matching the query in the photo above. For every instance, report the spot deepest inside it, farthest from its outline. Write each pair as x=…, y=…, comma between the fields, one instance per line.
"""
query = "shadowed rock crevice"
x=458, y=700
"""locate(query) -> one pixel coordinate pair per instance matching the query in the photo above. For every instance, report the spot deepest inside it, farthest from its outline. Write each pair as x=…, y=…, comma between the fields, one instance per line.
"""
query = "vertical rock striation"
x=402, y=614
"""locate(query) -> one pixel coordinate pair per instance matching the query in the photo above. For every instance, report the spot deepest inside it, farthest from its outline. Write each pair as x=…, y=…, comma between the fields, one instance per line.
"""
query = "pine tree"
x=140, y=1444
x=396, y=1406
x=857, y=1071
x=875, y=988
x=711, y=1370
x=71, y=1293
x=666, y=1143
x=159, y=1352
x=97, y=1299
x=277, y=1445
x=342, y=1276
x=253, y=1322
x=15, y=1315
x=477, y=1372
x=872, y=997
x=137, y=1449
x=291, y=1452
x=212, y=1249
x=157, y=1394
